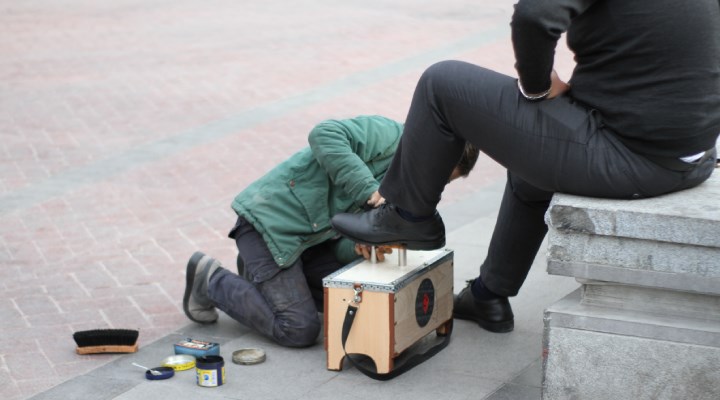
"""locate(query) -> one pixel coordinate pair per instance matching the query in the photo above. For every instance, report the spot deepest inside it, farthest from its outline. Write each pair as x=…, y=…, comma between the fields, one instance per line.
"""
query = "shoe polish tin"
x=210, y=371
x=197, y=348
x=248, y=356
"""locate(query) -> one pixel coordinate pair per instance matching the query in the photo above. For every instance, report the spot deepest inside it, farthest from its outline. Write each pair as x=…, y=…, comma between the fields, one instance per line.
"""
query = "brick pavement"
x=126, y=128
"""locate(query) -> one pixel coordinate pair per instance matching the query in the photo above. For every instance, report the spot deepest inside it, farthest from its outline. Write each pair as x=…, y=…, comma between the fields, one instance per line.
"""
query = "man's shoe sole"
x=189, y=281
x=495, y=327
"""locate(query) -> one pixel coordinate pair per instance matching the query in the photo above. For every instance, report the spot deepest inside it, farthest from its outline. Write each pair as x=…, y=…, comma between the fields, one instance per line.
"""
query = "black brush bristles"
x=106, y=341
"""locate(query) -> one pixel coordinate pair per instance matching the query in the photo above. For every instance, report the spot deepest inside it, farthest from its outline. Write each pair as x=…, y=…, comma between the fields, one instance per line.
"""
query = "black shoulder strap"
x=406, y=366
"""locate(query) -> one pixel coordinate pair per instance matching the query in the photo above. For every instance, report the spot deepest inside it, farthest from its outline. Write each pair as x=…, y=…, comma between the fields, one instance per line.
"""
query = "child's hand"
x=375, y=199
x=380, y=251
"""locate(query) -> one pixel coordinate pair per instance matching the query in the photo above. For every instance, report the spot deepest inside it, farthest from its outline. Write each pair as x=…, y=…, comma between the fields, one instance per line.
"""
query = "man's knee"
x=298, y=332
x=439, y=70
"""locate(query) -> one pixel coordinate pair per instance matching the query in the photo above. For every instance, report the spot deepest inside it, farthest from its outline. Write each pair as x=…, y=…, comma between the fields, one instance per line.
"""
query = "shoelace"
x=383, y=209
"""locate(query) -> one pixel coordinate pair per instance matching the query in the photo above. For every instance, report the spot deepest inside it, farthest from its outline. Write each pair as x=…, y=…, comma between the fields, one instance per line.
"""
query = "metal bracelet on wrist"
x=533, y=97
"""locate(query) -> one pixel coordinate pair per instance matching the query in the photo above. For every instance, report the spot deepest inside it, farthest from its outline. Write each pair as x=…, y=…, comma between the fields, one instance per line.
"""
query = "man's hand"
x=380, y=251
x=375, y=199
x=557, y=86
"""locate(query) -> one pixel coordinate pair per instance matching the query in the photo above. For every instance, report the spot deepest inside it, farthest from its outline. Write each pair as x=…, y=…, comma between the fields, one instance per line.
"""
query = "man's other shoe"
x=494, y=315
x=196, y=303
x=384, y=226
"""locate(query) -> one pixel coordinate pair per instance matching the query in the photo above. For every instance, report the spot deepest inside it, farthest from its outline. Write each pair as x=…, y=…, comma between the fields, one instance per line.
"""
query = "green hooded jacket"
x=291, y=205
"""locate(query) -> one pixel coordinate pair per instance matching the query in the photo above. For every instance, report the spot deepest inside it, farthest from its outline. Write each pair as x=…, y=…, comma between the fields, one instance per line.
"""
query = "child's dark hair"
x=468, y=159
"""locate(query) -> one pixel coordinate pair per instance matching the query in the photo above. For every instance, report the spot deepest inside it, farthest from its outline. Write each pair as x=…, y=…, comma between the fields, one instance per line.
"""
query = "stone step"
x=659, y=302
x=572, y=313
x=595, y=352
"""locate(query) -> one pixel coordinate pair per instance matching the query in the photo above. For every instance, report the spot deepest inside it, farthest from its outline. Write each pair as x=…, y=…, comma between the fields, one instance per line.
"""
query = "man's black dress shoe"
x=384, y=226
x=494, y=315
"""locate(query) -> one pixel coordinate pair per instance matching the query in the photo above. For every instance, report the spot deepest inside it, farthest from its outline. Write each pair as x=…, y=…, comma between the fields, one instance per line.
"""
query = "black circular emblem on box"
x=424, y=302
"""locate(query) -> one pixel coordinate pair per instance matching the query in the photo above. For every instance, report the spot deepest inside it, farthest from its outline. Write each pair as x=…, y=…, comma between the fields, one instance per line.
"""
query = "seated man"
x=639, y=118
x=283, y=234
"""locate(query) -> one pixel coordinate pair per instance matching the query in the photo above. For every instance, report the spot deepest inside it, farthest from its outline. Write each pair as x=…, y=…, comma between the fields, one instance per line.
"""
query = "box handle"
x=406, y=366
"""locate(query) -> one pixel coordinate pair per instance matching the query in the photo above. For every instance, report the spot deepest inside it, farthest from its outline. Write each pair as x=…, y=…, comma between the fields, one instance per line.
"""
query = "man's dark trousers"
x=554, y=145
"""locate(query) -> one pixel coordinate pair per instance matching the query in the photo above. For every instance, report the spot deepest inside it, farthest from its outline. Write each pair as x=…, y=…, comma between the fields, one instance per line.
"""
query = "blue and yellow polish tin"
x=210, y=371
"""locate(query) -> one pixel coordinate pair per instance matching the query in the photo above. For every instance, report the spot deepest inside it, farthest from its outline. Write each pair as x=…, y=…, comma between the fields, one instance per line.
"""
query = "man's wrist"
x=531, y=96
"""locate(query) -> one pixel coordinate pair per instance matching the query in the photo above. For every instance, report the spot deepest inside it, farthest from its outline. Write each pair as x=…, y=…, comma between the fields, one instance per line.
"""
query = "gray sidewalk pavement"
x=476, y=364
x=127, y=127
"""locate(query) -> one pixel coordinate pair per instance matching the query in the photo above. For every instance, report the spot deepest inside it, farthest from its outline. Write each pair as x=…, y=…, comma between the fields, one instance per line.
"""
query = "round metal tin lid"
x=248, y=356
x=179, y=362
x=165, y=373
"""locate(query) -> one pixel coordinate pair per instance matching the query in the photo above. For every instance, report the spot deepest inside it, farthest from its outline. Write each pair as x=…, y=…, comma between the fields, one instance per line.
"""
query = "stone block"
x=594, y=352
x=671, y=241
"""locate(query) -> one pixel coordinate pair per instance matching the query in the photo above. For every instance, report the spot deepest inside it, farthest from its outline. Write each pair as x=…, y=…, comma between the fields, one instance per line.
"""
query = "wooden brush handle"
x=107, y=349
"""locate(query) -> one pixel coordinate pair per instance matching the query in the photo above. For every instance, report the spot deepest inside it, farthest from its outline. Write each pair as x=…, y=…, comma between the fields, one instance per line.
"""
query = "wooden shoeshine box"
x=399, y=305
